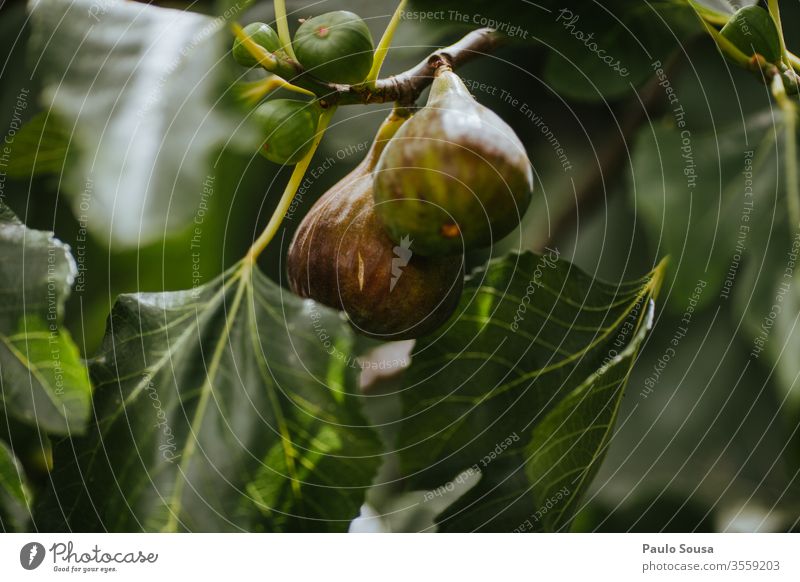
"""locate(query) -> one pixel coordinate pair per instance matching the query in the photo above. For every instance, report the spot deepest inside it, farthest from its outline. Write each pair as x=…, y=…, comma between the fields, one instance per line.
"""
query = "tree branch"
x=404, y=88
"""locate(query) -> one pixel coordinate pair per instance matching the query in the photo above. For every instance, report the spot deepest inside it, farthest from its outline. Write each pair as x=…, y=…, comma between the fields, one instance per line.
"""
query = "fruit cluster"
x=335, y=47
x=386, y=244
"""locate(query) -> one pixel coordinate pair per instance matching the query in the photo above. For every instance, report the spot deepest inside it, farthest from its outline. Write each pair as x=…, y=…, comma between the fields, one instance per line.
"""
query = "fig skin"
x=455, y=177
x=289, y=127
x=263, y=35
x=342, y=257
x=336, y=47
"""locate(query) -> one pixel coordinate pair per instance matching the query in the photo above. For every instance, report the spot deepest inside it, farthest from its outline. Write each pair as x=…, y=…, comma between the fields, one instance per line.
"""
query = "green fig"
x=289, y=127
x=341, y=256
x=455, y=177
x=263, y=35
x=752, y=30
x=335, y=47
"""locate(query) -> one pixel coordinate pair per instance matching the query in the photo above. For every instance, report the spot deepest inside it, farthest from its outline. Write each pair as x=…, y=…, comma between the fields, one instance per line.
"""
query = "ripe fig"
x=335, y=47
x=263, y=35
x=455, y=177
x=342, y=257
x=752, y=30
x=289, y=127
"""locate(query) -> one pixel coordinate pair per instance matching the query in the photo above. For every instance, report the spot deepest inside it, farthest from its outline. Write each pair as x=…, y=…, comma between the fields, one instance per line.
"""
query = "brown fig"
x=342, y=257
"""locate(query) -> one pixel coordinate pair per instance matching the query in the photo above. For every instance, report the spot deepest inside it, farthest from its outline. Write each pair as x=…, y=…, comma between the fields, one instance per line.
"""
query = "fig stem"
x=283, y=27
x=707, y=14
x=397, y=117
x=254, y=91
x=386, y=40
x=289, y=192
x=775, y=12
x=795, y=61
x=789, y=110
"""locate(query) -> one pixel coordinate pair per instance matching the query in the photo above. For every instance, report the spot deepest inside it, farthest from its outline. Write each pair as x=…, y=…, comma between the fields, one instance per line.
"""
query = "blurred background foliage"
x=714, y=445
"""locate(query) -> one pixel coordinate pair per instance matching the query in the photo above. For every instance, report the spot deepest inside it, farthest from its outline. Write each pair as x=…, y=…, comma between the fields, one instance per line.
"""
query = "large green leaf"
x=139, y=87
x=522, y=389
x=730, y=229
x=701, y=429
x=42, y=379
x=689, y=189
x=595, y=50
x=15, y=497
x=228, y=407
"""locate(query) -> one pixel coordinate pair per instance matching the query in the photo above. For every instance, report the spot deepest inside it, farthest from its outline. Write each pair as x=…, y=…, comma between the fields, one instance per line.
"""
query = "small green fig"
x=263, y=35
x=752, y=30
x=289, y=127
x=335, y=47
x=342, y=257
x=455, y=177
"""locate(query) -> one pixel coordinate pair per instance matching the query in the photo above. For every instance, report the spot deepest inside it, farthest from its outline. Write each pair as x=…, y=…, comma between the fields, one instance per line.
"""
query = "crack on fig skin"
x=322, y=31
x=360, y=272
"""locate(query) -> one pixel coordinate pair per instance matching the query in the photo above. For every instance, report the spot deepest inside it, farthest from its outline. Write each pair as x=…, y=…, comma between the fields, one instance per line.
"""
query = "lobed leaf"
x=42, y=378
x=522, y=389
x=729, y=229
x=229, y=407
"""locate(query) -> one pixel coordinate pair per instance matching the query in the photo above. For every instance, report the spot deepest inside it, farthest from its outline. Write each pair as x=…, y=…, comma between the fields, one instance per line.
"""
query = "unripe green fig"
x=335, y=47
x=289, y=127
x=342, y=257
x=455, y=177
x=752, y=30
x=263, y=35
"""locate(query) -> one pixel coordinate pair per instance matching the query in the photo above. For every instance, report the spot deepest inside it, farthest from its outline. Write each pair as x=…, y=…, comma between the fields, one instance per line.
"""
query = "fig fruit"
x=289, y=127
x=752, y=30
x=263, y=35
x=335, y=47
x=455, y=177
x=342, y=257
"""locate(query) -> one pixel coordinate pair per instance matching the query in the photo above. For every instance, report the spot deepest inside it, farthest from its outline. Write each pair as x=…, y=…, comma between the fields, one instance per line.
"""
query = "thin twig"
x=386, y=40
x=404, y=88
x=289, y=192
